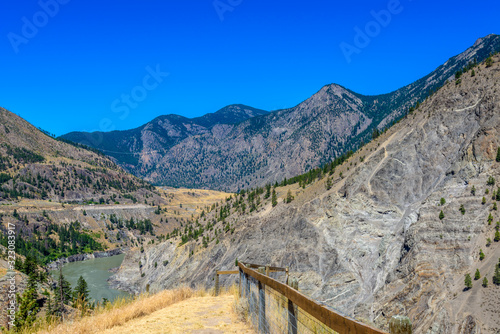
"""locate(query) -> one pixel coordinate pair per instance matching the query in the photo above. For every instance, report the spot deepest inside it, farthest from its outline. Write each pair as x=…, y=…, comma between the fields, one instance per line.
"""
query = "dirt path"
x=200, y=315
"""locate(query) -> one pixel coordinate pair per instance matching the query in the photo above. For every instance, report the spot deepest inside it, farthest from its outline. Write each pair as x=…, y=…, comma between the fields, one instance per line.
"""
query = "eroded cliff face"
x=373, y=246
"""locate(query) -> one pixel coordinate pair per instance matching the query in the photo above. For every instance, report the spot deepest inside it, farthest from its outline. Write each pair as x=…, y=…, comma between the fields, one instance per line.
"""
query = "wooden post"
x=247, y=287
x=267, y=270
x=240, y=291
x=286, y=275
x=262, y=308
x=400, y=324
x=292, y=318
x=216, y=284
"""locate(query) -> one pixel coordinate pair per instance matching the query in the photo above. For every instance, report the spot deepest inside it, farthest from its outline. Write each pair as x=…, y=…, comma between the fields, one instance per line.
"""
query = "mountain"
x=269, y=147
x=139, y=148
x=34, y=165
x=368, y=237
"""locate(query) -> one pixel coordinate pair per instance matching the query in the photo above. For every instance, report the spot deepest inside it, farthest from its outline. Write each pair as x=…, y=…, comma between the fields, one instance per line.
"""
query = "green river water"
x=96, y=273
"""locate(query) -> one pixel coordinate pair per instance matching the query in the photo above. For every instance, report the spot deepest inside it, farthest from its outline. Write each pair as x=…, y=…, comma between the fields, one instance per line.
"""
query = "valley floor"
x=200, y=315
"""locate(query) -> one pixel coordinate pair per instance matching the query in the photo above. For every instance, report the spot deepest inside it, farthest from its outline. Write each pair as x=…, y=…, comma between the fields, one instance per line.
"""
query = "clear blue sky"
x=75, y=70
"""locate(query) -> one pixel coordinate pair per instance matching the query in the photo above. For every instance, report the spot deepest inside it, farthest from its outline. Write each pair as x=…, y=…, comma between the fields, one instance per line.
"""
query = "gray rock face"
x=373, y=246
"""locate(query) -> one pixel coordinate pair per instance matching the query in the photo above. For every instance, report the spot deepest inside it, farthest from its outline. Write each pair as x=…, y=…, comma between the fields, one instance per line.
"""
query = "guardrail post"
x=240, y=291
x=262, y=304
x=292, y=318
x=216, y=284
x=400, y=324
x=267, y=270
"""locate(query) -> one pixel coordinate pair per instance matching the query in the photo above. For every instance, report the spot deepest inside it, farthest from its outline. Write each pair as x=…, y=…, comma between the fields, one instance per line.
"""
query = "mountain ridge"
x=285, y=142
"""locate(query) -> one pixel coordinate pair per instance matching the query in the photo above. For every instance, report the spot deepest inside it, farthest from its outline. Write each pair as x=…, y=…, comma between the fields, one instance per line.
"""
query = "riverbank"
x=84, y=257
x=96, y=273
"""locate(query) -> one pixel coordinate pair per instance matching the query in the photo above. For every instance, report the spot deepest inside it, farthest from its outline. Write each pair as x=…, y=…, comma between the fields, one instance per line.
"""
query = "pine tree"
x=485, y=282
x=27, y=306
x=477, y=275
x=498, y=154
x=481, y=255
x=81, y=290
x=289, y=196
x=468, y=282
x=268, y=191
x=442, y=201
x=497, y=236
x=274, y=199
x=441, y=215
x=484, y=200
x=496, y=276
x=329, y=183
x=63, y=293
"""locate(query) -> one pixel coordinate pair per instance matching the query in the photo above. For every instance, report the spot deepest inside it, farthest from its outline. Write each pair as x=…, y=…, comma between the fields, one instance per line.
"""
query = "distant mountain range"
x=240, y=147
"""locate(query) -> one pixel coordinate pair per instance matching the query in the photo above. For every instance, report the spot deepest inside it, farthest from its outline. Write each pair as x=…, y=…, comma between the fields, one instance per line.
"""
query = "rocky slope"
x=373, y=245
x=272, y=146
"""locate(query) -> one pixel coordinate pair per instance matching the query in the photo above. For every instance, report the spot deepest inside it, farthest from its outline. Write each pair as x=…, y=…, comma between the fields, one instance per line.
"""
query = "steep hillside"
x=374, y=244
x=280, y=144
x=34, y=165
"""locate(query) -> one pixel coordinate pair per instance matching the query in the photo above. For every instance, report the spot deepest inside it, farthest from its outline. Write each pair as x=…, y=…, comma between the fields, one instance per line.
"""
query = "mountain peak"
x=481, y=40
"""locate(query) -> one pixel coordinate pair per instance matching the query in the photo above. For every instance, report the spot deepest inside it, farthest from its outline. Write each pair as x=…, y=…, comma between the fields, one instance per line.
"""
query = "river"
x=96, y=273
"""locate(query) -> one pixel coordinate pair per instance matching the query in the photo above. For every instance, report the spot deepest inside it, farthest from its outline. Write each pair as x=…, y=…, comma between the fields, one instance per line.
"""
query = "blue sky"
x=71, y=65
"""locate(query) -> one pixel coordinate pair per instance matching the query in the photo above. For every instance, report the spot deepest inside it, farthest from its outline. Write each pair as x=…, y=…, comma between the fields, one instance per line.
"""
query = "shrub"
x=441, y=215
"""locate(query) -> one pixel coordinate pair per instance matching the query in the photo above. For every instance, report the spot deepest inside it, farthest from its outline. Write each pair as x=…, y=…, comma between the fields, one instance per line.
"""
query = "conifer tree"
x=496, y=276
x=274, y=199
x=485, y=282
x=329, y=183
x=441, y=215
x=81, y=290
x=477, y=275
x=289, y=196
x=468, y=282
x=63, y=293
x=27, y=306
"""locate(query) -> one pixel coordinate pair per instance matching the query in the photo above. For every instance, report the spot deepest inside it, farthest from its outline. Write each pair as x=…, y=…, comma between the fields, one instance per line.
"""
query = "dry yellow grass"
x=195, y=315
x=122, y=311
x=182, y=310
